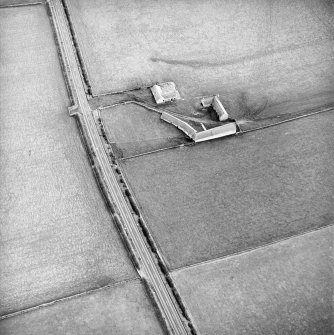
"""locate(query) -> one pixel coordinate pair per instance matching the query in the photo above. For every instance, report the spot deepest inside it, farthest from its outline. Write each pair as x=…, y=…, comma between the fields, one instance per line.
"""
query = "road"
x=148, y=267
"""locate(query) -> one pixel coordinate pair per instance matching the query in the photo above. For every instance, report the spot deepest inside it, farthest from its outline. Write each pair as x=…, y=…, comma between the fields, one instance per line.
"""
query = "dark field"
x=229, y=195
x=263, y=57
x=285, y=288
x=121, y=309
x=56, y=236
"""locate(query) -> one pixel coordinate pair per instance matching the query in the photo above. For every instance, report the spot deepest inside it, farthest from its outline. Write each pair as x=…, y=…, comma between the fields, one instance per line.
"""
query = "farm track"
x=147, y=264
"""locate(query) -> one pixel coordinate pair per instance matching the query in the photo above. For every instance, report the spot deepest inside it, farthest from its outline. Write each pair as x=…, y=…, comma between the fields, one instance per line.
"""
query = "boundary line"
x=285, y=121
x=69, y=297
x=241, y=132
x=263, y=246
x=23, y=4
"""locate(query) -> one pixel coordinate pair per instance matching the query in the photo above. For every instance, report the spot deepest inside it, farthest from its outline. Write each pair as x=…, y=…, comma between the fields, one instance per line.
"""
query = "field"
x=121, y=309
x=229, y=195
x=285, y=288
x=57, y=237
x=136, y=130
x=262, y=57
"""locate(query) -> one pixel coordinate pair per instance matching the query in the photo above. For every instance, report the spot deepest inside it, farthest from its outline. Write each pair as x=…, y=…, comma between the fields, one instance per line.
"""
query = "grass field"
x=56, y=236
x=225, y=196
x=261, y=56
x=285, y=288
x=121, y=309
x=135, y=129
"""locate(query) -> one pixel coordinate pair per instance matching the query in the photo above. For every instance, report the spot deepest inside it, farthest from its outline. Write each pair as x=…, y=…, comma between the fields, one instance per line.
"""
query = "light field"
x=285, y=288
x=121, y=309
x=56, y=236
x=262, y=57
x=222, y=197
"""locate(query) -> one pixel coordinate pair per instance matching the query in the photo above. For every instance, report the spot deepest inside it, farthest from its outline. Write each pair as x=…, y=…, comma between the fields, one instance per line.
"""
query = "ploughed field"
x=57, y=238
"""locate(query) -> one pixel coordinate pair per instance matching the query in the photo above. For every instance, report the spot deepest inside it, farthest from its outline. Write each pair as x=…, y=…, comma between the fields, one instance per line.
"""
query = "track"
x=148, y=267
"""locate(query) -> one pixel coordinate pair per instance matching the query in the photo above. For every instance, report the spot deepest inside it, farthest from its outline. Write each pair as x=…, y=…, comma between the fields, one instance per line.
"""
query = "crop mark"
x=196, y=64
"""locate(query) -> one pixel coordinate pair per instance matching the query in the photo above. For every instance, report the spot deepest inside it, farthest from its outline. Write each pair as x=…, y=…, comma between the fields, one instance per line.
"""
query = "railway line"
x=148, y=267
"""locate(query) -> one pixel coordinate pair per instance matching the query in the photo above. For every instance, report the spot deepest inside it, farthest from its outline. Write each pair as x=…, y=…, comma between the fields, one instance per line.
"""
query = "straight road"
x=148, y=267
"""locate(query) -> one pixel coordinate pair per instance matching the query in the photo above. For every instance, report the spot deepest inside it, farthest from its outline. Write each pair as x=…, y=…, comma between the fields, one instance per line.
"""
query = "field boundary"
x=263, y=246
x=327, y=109
x=24, y=4
x=240, y=133
x=104, y=93
x=68, y=297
